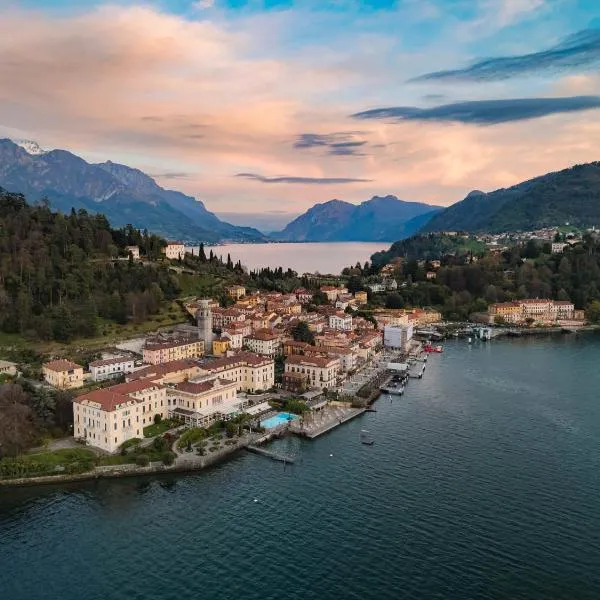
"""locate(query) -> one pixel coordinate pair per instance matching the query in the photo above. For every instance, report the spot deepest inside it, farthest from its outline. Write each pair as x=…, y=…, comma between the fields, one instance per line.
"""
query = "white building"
x=251, y=372
x=174, y=250
x=203, y=400
x=377, y=288
x=111, y=367
x=558, y=247
x=108, y=417
x=264, y=342
x=235, y=337
x=397, y=337
x=8, y=368
x=133, y=251
x=317, y=371
x=341, y=321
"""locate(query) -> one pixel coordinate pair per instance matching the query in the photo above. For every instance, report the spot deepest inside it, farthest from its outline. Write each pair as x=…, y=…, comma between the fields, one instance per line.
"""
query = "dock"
x=416, y=371
x=326, y=423
x=270, y=454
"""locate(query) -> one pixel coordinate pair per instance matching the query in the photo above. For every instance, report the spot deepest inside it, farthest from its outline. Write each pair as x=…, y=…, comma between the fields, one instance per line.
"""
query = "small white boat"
x=365, y=438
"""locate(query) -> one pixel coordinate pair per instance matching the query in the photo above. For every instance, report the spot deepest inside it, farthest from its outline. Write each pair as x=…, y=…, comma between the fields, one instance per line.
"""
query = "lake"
x=483, y=483
x=327, y=258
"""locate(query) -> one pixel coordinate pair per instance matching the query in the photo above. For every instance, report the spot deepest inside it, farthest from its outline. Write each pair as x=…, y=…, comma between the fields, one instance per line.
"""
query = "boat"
x=365, y=438
x=436, y=349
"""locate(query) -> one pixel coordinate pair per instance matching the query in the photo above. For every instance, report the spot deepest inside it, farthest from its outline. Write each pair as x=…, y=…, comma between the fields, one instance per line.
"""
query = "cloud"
x=580, y=50
x=171, y=175
x=484, y=112
x=302, y=180
x=337, y=144
x=203, y=4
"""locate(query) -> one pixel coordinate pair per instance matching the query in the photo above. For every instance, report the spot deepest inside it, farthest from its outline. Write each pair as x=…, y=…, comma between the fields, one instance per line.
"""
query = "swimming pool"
x=279, y=419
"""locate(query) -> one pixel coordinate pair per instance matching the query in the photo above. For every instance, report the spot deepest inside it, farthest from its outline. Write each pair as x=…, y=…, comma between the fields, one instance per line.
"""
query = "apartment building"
x=63, y=374
x=236, y=291
x=157, y=351
x=341, y=321
x=264, y=342
x=317, y=371
x=251, y=372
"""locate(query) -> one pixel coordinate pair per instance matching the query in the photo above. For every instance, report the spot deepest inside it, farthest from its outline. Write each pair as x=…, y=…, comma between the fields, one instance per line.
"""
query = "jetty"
x=325, y=421
x=270, y=454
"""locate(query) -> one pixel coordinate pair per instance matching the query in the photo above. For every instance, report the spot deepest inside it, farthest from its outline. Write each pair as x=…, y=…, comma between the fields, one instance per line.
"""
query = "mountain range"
x=568, y=196
x=380, y=219
x=123, y=194
x=129, y=196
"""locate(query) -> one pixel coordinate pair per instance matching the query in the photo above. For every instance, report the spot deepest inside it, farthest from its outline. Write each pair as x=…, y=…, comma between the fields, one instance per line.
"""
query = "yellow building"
x=63, y=374
x=511, y=312
x=236, y=291
x=220, y=346
x=158, y=351
x=361, y=297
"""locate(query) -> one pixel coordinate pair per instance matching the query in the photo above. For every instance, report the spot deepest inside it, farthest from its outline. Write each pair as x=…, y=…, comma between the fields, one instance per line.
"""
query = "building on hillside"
x=304, y=296
x=251, y=372
x=294, y=347
x=532, y=310
x=157, y=351
x=430, y=275
x=397, y=337
x=133, y=251
x=318, y=372
x=8, y=368
x=347, y=356
x=558, y=247
x=361, y=297
x=111, y=367
x=220, y=346
x=108, y=417
x=332, y=292
x=174, y=250
x=203, y=400
x=264, y=342
x=63, y=374
x=341, y=321
x=236, y=338
x=236, y=291
x=377, y=287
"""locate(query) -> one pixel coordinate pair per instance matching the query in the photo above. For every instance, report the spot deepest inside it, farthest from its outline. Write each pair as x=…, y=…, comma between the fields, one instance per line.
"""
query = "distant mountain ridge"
x=380, y=219
x=571, y=195
x=125, y=195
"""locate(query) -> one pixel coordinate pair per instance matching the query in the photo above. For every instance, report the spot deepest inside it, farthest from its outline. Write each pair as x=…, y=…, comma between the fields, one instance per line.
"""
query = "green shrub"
x=142, y=460
x=160, y=444
x=157, y=419
x=168, y=458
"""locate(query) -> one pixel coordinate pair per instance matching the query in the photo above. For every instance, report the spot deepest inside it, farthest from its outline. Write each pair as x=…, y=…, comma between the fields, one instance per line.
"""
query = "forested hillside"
x=568, y=196
x=59, y=276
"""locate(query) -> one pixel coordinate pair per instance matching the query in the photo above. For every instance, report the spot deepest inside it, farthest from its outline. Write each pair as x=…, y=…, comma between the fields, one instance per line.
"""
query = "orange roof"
x=313, y=361
x=61, y=365
x=111, y=361
x=157, y=371
x=106, y=398
x=204, y=386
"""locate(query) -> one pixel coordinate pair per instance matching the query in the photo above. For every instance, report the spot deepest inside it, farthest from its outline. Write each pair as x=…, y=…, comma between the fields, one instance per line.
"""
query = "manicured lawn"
x=70, y=460
x=159, y=428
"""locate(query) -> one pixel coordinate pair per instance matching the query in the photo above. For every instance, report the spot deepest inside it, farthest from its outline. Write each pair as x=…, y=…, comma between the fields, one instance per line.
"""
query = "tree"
x=302, y=333
x=18, y=430
x=592, y=312
x=394, y=301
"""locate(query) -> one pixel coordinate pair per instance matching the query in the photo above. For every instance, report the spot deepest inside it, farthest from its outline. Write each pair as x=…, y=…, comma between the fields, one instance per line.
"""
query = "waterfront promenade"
x=320, y=422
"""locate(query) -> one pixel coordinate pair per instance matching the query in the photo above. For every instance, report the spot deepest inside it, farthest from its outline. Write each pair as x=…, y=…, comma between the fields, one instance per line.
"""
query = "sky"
x=265, y=107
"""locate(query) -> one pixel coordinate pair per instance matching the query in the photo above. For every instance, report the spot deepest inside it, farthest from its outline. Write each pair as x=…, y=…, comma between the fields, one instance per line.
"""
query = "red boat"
x=435, y=349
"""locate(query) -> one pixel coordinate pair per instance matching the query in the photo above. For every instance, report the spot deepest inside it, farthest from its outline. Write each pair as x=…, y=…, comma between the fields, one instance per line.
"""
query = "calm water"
x=328, y=258
x=484, y=482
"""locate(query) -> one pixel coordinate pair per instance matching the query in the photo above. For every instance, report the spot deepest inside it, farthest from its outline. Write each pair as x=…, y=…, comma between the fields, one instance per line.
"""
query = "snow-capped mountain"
x=124, y=195
x=30, y=147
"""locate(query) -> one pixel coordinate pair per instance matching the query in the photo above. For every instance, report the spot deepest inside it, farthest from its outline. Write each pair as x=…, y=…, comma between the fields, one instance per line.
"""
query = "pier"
x=270, y=454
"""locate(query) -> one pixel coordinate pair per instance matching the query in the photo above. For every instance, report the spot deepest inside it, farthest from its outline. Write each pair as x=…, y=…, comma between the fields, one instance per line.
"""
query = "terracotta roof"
x=111, y=361
x=313, y=361
x=106, y=398
x=166, y=344
x=132, y=387
x=157, y=371
x=240, y=358
x=191, y=387
x=263, y=335
x=61, y=365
